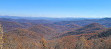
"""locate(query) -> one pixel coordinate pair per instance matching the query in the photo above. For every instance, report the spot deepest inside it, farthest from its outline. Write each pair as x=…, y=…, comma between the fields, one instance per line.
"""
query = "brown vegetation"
x=40, y=36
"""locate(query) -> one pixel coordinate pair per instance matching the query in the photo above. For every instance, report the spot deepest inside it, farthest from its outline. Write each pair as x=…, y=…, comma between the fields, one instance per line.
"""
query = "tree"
x=43, y=44
x=1, y=37
x=82, y=43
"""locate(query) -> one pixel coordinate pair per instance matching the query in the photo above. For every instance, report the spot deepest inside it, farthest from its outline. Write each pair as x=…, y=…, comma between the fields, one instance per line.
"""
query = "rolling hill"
x=91, y=28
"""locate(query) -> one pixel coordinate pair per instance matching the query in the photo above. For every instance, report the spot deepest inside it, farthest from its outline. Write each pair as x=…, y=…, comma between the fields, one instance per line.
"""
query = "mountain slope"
x=62, y=27
x=105, y=33
x=20, y=39
x=24, y=33
x=41, y=29
x=91, y=28
x=47, y=32
x=7, y=25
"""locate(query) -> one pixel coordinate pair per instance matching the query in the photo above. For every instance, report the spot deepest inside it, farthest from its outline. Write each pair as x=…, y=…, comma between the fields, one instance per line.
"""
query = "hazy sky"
x=56, y=8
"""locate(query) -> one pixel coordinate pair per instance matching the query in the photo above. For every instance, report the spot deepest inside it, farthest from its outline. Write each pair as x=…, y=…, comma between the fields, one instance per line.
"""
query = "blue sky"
x=56, y=8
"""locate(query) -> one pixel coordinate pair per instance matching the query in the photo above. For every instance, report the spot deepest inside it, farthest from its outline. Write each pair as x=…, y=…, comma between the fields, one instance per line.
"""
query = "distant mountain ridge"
x=44, y=18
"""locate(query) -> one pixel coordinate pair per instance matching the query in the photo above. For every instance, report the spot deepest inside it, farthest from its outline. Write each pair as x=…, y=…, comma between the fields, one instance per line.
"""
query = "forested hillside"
x=49, y=34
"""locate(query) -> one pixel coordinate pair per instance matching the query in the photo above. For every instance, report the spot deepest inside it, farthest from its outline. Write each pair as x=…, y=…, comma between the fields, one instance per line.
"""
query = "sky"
x=56, y=8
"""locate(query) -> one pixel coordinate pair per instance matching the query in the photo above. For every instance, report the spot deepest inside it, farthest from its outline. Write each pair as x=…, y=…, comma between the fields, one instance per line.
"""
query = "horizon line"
x=50, y=17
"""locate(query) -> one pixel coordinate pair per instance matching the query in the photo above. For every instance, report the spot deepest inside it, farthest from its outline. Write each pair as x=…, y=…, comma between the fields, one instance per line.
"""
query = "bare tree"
x=82, y=43
x=1, y=37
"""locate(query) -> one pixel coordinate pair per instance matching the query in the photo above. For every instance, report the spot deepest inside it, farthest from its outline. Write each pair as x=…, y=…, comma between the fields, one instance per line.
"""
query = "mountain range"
x=30, y=32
